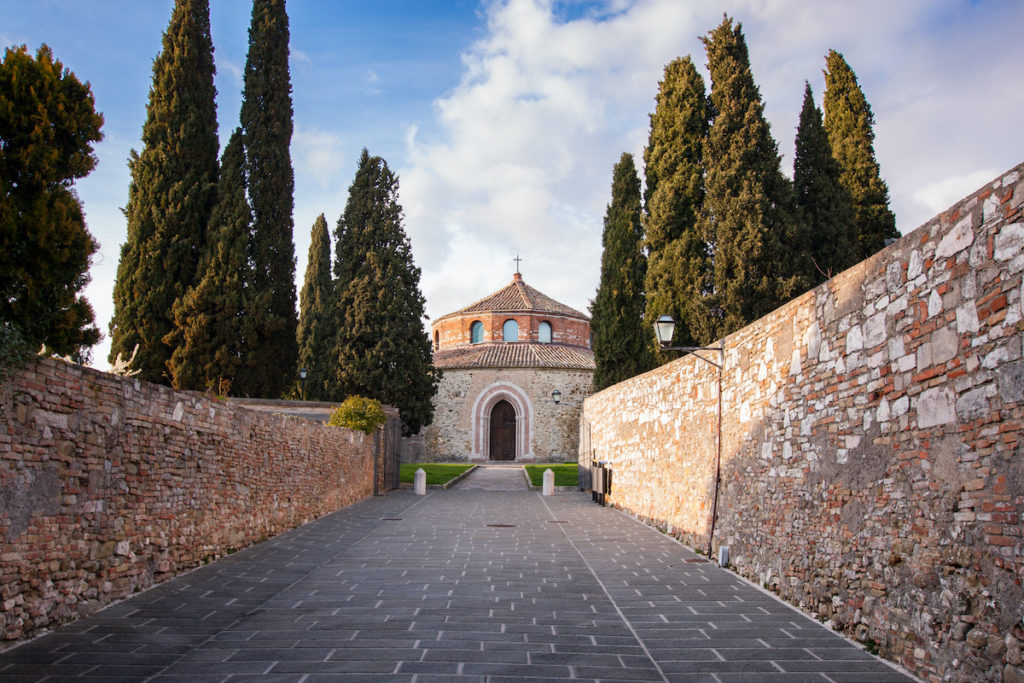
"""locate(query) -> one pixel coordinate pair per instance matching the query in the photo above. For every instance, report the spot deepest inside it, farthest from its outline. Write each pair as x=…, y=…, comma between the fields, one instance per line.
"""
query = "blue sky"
x=504, y=119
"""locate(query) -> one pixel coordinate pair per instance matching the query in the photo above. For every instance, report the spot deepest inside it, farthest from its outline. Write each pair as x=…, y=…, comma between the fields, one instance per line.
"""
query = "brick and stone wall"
x=552, y=430
x=108, y=485
x=872, y=456
x=456, y=330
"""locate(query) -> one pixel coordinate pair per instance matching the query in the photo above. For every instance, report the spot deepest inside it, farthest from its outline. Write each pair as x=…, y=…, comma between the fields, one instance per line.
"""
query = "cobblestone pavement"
x=463, y=585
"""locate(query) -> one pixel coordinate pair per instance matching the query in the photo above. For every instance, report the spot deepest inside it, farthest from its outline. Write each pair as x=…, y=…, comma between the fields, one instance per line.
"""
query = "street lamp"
x=664, y=328
x=302, y=379
x=556, y=396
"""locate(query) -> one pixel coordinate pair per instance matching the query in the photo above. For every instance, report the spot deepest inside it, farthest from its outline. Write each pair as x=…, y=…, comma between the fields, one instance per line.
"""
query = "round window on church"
x=476, y=332
x=544, y=333
x=510, y=331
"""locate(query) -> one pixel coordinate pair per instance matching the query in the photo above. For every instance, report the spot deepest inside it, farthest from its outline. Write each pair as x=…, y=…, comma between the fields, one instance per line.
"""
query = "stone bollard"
x=421, y=482
x=549, y=483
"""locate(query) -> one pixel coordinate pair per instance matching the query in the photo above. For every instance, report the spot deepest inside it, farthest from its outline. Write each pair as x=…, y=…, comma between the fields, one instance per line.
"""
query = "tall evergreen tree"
x=850, y=126
x=679, y=268
x=208, y=338
x=172, y=193
x=47, y=127
x=267, y=122
x=748, y=204
x=316, y=333
x=382, y=350
x=621, y=340
x=824, y=206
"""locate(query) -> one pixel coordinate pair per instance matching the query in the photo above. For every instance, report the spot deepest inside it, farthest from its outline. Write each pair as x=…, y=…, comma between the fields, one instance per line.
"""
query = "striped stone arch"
x=481, y=419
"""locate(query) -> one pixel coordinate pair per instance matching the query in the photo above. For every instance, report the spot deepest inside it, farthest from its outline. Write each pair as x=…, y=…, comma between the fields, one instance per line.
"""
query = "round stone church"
x=516, y=367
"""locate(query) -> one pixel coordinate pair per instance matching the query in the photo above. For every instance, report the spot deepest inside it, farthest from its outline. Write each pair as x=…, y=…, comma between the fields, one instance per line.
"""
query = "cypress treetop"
x=747, y=211
x=47, y=126
x=850, y=126
x=621, y=348
x=171, y=196
x=316, y=333
x=267, y=123
x=208, y=338
x=826, y=244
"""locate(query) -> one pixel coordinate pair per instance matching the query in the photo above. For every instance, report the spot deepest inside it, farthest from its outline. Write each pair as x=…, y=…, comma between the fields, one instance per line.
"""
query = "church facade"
x=516, y=367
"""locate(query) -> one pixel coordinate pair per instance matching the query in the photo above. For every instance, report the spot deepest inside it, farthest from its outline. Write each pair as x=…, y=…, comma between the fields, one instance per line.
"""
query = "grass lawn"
x=437, y=473
x=565, y=473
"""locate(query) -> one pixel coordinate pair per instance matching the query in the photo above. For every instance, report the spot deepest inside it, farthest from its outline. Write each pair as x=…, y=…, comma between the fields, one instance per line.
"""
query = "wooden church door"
x=503, y=431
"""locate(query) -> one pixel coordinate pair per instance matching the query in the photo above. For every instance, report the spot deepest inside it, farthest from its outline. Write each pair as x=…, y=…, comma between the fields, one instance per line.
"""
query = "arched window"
x=544, y=333
x=510, y=331
x=476, y=332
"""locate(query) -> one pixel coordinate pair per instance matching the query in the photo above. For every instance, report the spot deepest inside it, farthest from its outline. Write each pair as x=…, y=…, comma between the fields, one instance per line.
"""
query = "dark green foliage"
x=824, y=206
x=316, y=333
x=208, y=339
x=47, y=126
x=267, y=122
x=747, y=210
x=172, y=193
x=381, y=348
x=621, y=345
x=850, y=126
x=679, y=267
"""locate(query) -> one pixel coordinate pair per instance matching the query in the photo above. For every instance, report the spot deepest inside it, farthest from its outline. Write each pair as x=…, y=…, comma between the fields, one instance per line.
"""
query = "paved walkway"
x=460, y=585
x=494, y=478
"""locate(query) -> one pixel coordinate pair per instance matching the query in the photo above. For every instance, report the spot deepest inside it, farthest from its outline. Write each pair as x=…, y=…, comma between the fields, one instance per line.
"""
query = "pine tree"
x=47, y=126
x=381, y=350
x=208, y=338
x=316, y=334
x=824, y=206
x=678, y=273
x=850, y=126
x=172, y=193
x=267, y=122
x=621, y=340
x=748, y=202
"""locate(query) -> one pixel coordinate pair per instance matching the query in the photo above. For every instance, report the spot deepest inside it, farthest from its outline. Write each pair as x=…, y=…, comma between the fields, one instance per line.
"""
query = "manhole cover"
x=698, y=559
x=502, y=526
x=391, y=519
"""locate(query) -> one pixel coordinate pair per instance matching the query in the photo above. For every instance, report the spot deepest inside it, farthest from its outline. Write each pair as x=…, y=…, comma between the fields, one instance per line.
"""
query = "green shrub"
x=362, y=414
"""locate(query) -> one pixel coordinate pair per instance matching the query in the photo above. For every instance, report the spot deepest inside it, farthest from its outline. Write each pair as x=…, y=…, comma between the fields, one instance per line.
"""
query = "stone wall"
x=872, y=453
x=550, y=430
x=108, y=485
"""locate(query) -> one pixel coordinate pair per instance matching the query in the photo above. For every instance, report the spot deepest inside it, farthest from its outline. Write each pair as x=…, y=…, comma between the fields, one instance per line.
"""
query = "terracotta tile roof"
x=515, y=355
x=519, y=297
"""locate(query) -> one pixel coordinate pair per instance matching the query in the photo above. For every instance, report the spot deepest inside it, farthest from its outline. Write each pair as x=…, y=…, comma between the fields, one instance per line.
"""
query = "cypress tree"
x=678, y=273
x=315, y=330
x=209, y=319
x=621, y=340
x=824, y=206
x=171, y=196
x=47, y=126
x=267, y=122
x=748, y=203
x=381, y=349
x=850, y=126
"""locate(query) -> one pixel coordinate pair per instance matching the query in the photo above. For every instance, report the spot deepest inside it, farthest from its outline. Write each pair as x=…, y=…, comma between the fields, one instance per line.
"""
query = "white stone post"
x=549, y=483
x=421, y=482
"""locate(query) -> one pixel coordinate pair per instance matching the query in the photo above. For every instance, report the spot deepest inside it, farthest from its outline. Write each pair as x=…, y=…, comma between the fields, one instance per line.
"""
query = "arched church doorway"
x=503, y=431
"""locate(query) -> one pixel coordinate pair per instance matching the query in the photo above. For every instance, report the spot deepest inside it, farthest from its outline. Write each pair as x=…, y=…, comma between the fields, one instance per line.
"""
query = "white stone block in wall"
x=900, y=406
x=916, y=265
x=882, y=414
x=794, y=363
x=934, y=304
x=995, y=358
x=894, y=276
x=967, y=318
x=944, y=345
x=990, y=208
x=956, y=240
x=972, y=404
x=854, y=339
x=1009, y=242
x=874, y=330
x=935, y=407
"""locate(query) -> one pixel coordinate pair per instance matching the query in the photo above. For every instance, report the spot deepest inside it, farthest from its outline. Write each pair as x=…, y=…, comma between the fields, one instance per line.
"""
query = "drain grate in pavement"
x=391, y=519
x=502, y=526
x=557, y=521
x=698, y=559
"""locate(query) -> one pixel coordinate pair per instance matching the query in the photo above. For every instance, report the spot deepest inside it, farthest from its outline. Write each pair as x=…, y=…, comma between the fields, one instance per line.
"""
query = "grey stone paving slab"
x=472, y=584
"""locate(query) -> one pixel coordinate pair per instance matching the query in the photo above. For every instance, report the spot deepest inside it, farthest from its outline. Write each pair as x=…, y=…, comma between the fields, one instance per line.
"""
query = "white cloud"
x=317, y=156
x=940, y=195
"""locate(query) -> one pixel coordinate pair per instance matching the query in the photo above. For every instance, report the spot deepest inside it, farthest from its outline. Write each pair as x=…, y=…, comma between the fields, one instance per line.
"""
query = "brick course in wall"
x=873, y=460
x=109, y=485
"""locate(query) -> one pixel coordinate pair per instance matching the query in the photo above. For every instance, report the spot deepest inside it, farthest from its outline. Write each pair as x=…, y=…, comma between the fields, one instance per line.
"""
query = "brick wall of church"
x=555, y=427
x=873, y=445
x=108, y=485
x=455, y=331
